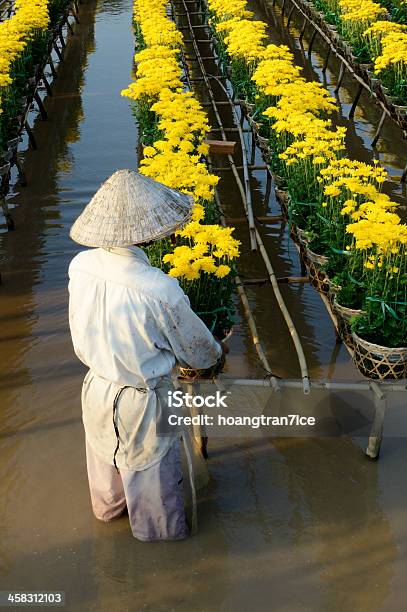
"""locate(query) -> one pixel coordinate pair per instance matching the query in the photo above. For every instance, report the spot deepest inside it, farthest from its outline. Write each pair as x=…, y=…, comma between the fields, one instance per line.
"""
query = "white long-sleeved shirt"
x=130, y=323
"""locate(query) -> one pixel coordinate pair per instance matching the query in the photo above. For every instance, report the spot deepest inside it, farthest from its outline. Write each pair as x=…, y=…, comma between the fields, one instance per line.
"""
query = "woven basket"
x=282, y=197
x=195, y=374
x=379, y=362
x=333, y=290
x=317, y=276
x=301, y=237
x=344, y=315
x=263, y=143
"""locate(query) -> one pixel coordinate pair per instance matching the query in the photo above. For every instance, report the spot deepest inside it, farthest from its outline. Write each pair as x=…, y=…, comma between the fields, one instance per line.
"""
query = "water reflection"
x=338, y=521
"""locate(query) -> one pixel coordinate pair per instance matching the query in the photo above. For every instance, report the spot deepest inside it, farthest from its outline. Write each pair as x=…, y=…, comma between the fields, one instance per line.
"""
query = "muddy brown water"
x=290, y=524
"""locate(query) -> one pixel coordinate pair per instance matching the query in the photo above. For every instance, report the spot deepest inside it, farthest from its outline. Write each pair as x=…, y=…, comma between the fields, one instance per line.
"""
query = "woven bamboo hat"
x=128, y=209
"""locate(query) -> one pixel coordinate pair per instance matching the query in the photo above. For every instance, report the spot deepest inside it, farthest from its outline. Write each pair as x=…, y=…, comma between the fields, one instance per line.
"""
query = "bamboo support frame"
x=378, y=389
x=379, y=392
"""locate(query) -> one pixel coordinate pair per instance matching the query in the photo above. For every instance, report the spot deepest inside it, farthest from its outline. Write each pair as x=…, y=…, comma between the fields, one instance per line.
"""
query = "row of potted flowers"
x=173, y=127
x=350, y=236
x=373, y=41
x=24, y=44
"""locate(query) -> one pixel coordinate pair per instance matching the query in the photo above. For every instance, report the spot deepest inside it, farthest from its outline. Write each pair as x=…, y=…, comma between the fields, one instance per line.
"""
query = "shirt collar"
x=129, y=251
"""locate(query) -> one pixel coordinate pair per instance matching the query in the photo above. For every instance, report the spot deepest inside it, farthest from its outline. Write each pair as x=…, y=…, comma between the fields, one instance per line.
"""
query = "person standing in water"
x=130, y=323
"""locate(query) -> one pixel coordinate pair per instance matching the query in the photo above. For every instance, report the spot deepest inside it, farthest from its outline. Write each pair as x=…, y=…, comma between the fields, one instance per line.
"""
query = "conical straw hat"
x=130, y=208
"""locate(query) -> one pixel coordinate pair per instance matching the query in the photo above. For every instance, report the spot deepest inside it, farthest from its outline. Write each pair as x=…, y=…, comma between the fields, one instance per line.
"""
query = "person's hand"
x=224, y=347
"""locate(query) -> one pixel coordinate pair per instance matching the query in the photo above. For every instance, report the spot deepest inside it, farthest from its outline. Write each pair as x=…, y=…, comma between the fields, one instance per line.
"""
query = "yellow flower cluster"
x=229, y=9
x=379, y=231
x=210, y=250
x=243, y=37
x=182, y=118
x=177, y=168
x=352, y=185
x=365, y=21
x=355, y=187
x=16, y=32
x=155, y=27
x=355, y=16
x=361, y=12
x=388, y=46
x=176, y=159
x=393, y=55
x=297, y=109
x=157, y=68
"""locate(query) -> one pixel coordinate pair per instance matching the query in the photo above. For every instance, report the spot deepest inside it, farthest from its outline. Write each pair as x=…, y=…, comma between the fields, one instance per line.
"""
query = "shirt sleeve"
x=191, y=341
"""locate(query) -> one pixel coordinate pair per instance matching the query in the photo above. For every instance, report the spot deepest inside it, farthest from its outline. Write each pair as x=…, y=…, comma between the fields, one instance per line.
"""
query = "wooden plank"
x=221, y=147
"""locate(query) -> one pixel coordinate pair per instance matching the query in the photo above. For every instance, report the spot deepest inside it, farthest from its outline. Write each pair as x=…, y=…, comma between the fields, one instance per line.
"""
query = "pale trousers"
x=154, y=497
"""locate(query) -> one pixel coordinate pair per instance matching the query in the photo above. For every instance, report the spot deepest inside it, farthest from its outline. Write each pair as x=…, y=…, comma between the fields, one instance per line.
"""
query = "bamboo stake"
x=304, y=25
x=379, y=129
x=290, y=15
x=355, y=102
x=325, y=66
x=340, y=77
x=248, y=313
x=311, y=42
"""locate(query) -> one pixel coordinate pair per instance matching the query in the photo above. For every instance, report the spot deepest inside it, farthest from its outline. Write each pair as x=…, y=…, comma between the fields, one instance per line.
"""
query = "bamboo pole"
x=327, y=385
x=379, y=129
x=248, y=313
x=311, y=42
x=325, y=66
